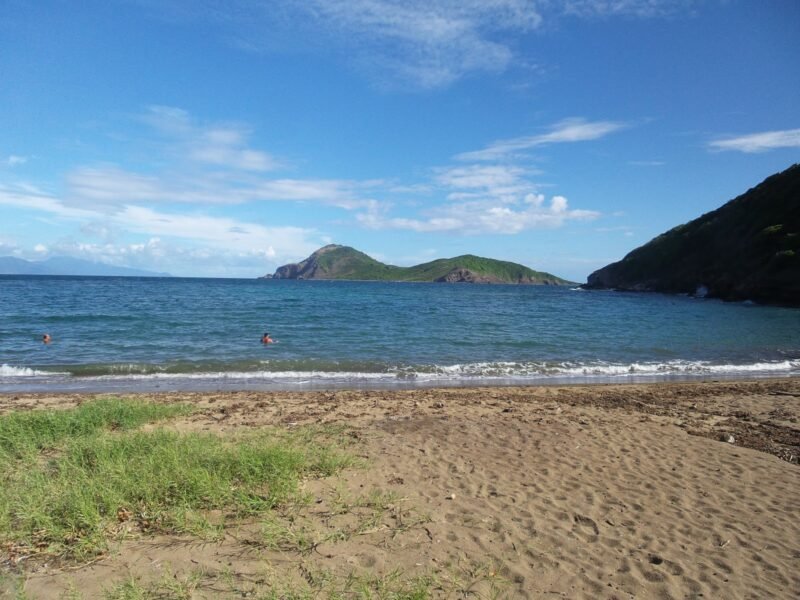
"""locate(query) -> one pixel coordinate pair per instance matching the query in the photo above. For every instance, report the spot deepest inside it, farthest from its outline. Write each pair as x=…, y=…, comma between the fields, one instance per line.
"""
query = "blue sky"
x=225, y=138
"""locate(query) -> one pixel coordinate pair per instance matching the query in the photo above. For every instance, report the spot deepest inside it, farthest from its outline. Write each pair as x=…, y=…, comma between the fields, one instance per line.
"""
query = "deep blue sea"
x=112, y=333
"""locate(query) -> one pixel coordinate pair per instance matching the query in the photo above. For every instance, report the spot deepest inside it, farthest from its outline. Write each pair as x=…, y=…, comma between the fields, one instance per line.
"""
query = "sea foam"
x=9, y=371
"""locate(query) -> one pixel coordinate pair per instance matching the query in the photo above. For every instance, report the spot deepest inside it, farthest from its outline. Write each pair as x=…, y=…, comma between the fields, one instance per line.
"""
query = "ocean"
x=126, y=334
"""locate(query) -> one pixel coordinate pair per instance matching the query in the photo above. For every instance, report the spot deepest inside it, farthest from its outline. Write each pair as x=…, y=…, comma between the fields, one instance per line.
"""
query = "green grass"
x=345, y=518
x=347, y=263
x=169, y=587
x=471, y=580
x=319, y=585
x=503, y=270
x=72, y=480
x=24, y=432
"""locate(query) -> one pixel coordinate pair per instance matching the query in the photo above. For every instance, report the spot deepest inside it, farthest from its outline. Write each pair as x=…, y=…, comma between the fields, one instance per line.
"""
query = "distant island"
x=64, y=265
x=748, y=249
x=342, y=262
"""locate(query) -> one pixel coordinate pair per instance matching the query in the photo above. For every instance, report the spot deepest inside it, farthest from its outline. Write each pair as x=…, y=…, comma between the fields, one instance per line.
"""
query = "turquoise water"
x=126, y=333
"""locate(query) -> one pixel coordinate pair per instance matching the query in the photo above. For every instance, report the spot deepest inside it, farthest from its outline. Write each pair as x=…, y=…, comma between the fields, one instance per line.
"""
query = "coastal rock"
x=466, y=276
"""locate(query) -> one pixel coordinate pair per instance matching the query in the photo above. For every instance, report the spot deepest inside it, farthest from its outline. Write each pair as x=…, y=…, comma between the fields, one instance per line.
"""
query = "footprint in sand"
x=587, y=527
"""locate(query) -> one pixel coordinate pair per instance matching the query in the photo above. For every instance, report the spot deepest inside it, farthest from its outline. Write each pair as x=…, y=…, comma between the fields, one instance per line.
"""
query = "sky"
x=224, y=138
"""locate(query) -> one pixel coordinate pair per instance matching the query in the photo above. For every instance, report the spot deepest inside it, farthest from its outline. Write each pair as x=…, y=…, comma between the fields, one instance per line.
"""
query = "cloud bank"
x=199, y=170
x=566, y=131
x=420, y=43
x=759, y=142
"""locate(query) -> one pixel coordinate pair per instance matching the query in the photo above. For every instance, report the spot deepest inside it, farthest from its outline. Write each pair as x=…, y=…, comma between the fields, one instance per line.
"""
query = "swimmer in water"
x=265, y=339
x=46, y=339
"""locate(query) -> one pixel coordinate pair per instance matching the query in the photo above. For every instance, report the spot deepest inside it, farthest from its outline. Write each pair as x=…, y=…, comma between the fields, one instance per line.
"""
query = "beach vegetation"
x=169, y=586
x=338, y=517
x=317, y=585
x=26, y=432
x=72, y=480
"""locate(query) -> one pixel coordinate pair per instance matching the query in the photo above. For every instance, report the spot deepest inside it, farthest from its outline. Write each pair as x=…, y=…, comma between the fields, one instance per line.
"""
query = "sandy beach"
x=669, y=490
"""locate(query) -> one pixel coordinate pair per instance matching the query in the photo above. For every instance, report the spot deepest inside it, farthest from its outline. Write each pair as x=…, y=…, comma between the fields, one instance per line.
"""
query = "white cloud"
x=219, y=144
x=343, y=193
x=427, y=43
x=171, y=203
x=481, y=176
x=111, y=186
x=40, y=248
x=637, y=8
x=494, y=184
x=759, y=142
x=142, y=254
x=646, y=163
x=623, y=229
x=566, y=131
x=222, y=232
x=483, y=216
x=558, y=205
x=423, y=43
x=8, y=246
x=101, y=229
x=182, y=172
x=498, y=198
x=13, y=160
x=114, y=185
x=161, y=255
x=23, y=195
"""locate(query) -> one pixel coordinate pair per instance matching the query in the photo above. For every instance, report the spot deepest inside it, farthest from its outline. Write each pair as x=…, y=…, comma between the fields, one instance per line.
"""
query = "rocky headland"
x=748, y=249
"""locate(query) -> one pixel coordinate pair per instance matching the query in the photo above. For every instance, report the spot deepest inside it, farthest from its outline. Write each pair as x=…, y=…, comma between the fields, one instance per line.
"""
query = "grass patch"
x=72, y=480
x=319, y=585
x=169, y=587
x=471, y=580
x=24, y=432
x=337, y=517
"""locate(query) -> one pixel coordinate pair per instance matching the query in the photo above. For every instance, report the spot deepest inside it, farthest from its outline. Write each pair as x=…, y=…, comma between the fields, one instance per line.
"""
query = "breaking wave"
x=9, y=371
x=293, y=373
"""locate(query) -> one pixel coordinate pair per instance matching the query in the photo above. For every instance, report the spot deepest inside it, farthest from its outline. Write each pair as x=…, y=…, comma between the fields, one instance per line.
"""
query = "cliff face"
x=342, y=262
x=748, y=249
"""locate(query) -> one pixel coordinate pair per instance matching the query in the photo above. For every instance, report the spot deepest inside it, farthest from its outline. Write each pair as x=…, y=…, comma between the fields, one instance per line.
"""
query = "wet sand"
x=685, y=490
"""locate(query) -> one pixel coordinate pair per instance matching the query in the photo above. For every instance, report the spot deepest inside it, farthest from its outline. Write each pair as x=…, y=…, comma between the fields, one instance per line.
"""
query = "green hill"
x=747, y=249
x=343, y=262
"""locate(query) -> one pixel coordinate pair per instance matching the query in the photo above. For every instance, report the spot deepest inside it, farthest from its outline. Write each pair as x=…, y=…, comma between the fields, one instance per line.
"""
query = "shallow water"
x=142, y=333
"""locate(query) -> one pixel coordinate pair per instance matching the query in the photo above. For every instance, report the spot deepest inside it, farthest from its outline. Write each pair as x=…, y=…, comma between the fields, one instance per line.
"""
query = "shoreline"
x=245, y=382
x=667, y=490
x=698, y=405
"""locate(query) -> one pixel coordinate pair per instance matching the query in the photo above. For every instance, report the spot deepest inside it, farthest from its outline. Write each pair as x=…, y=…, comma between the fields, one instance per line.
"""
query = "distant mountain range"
x=64, y=265
x=343, y=262
x=748, y=249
